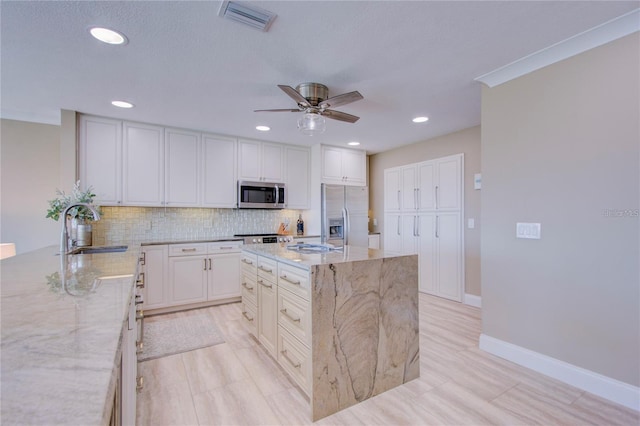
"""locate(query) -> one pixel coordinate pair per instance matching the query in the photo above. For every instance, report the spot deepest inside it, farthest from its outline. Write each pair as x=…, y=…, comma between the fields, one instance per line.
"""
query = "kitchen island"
x=62, y=331
x=346, y=322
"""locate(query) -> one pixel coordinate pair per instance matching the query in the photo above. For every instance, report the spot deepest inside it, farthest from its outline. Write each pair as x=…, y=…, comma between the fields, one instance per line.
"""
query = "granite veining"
x=62, y=318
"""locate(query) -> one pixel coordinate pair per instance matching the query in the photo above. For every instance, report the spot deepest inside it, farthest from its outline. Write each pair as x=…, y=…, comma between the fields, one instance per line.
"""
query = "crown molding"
x=594, y=37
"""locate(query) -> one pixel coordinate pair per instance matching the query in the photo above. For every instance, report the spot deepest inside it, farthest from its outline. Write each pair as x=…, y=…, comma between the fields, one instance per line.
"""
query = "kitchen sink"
x=98, y=249
x=311, y=248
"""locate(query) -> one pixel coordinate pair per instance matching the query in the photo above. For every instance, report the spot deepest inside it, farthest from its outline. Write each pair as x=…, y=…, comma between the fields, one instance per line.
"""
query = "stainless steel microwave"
x=261, y=195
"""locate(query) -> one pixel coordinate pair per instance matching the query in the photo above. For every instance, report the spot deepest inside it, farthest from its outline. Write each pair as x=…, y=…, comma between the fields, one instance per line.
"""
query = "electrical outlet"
x=528, y=230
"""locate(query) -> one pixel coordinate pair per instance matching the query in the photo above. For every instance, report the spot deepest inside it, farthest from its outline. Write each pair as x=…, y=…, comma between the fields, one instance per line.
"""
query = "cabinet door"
x=188, y=279
x=449, y=184
x=249, y=161
x=449, y=256
x=392, y=189
x=427, y=252
x=224, y=276
x=143, y=165
x=297, y=166
x=332, y=165
x=182, y=168
x=156, y=289
x=267, y=311
x=425, y=183
x=409, y=234
x=409, y=189
x=219, y=172
x=100, y=153
x=272, y=163
x=354, y=167
x=393, y=233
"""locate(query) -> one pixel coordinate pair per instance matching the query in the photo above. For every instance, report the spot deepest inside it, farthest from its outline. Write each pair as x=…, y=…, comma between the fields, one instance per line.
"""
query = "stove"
x=264, y=238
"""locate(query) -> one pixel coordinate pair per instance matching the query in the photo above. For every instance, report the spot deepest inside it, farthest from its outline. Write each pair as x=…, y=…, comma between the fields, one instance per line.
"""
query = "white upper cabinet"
x=218, y=172
x=297, y=166
x=143, y=165
x=100, y=158
x=343, y=166
x=260, y=161
x=182, y=168
x=392, y=189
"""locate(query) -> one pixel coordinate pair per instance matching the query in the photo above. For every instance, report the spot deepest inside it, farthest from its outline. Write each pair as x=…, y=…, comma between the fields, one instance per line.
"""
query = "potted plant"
x=80, y=216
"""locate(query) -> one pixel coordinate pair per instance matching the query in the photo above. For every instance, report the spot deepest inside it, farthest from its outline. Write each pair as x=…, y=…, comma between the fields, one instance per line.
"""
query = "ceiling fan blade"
x=293, y=94
x=276, y=110
x=342, y=116
x=345, y=98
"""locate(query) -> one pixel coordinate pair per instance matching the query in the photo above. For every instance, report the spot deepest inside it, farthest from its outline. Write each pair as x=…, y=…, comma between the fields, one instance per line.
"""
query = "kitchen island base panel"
x=365, y=337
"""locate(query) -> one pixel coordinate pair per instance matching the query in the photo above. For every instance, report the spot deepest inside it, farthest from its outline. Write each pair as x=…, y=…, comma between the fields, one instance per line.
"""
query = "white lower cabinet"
x=267, y=304
x=283, y=313
x=184, y=274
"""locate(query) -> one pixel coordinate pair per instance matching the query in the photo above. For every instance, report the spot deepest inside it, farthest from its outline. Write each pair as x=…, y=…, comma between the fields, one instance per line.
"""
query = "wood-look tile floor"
x=238, y=383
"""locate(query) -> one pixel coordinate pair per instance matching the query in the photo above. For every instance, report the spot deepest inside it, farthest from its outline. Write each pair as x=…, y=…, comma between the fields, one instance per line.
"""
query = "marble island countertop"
x=306, y=259
x=60, y=340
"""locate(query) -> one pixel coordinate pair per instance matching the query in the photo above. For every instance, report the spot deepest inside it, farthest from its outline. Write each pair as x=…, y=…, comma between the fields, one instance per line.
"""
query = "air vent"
x=247, y=14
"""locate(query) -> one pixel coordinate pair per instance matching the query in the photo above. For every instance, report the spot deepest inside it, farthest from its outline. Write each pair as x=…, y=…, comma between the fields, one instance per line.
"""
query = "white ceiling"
x=186, y=67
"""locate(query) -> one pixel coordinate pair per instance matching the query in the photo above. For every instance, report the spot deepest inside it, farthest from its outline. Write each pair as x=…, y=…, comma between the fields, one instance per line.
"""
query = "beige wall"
x=30, y=173
x=560, y=146
x=466, y=141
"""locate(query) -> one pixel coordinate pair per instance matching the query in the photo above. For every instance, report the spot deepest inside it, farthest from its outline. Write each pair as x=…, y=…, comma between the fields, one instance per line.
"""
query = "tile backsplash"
x=121, y=225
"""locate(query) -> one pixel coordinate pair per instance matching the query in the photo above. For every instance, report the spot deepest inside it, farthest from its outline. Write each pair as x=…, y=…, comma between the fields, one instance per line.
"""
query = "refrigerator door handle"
x=347, y=225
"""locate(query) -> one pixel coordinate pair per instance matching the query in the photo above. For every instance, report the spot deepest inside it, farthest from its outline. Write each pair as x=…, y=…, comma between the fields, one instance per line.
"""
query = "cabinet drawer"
x=267, y=268
x=294, y=279
x=294, y=314
x=249, y=262
x=295, y=359
x=250, y=318
x=187, y=249
x=249, y=290
x=224, y=247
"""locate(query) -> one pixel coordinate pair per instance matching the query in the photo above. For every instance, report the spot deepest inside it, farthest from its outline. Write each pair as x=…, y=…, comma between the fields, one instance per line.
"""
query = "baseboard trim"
x=472, y=300
x=595, y=383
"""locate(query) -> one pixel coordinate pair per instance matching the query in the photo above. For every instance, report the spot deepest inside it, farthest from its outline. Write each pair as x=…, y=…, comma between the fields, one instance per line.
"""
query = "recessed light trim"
x=108, y=36
x=122, y=104
x=353, y=143
x=263, y=128
x=420, y=119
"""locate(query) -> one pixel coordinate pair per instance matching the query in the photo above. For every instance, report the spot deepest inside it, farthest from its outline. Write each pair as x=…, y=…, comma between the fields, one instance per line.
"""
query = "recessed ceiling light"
x=354, y=143
x=122, y=104
x=108, y=36
x=420, y=119
x=263, y=128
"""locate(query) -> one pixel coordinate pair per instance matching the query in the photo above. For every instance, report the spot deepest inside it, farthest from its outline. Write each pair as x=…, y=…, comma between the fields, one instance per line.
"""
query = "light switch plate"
x=528, y=230
x=477, y=181
x=471, y=223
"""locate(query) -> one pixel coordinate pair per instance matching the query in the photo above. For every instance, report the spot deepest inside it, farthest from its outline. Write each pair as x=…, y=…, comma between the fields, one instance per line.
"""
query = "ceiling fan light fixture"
x=311, y=124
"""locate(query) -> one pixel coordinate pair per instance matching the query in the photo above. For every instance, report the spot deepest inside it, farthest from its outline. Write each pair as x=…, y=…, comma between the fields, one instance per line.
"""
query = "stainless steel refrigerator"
x=345, y=215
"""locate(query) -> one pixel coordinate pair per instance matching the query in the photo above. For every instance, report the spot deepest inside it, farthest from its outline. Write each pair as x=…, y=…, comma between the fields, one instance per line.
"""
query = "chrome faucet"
x=64, y=235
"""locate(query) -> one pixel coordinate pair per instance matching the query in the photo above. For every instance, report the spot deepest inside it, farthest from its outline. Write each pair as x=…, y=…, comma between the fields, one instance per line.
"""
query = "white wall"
x=30, y=173
x=560, y=146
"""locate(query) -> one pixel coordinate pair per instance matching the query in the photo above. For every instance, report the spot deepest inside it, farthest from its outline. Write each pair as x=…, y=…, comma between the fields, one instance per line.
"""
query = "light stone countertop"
x=60, y=345
x=280, y=252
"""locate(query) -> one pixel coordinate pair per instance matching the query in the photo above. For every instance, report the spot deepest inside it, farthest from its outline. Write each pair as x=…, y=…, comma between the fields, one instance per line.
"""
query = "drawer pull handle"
x=247, y=287
x=292, y=362
x=266, y=285
x=184, y=250
x=227, y=247
x=286, y=314
x=265, y=269
x=139, y=383
x=289, y=280
x=244, y=314
x=247, y=261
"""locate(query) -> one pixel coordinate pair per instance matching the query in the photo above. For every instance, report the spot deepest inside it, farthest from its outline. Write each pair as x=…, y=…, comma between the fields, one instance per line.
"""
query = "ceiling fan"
x=313, y=99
